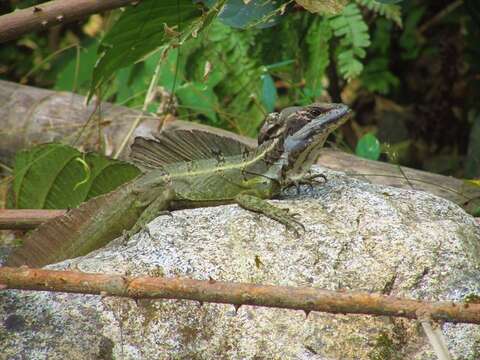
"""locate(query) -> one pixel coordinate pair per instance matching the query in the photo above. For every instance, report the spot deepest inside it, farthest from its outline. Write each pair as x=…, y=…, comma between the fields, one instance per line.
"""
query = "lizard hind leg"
x=283, y=216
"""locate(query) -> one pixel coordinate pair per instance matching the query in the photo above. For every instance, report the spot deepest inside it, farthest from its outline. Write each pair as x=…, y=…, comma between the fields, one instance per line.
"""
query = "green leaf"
x=133, y=81
x=351, y=26
x=75, y=72
x=381, y=39
x=269, y=92
x=386, y=8
x=409, y=40
x=169, y=68
x=318, y=45
x=240, y=14
x=377, y=77
x=199, y=98
x=220, y=58
x=50, y=176
x=368, y=147
x=110, y=174
x=139, y=31
x=353, y=31
x=349, y=66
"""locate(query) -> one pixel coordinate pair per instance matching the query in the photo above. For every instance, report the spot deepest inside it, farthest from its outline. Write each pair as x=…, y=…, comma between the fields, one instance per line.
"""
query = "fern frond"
x=318, y=49
x=352, y=30
x=378, y=78
x=349, y=65
x=389, y=11
x=234, y=83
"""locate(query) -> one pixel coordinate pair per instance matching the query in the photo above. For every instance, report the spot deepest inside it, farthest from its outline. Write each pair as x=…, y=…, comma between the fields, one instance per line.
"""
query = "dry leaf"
x=170, y=31
x=207, y=70
x=323, y=6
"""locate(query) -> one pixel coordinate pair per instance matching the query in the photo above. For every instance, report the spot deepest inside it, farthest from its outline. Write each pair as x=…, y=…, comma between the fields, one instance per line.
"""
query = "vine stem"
x=447, y=10
x=149, y=97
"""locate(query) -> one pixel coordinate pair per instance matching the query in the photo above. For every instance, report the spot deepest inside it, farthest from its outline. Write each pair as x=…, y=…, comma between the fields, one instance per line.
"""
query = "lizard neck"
x=302, y=132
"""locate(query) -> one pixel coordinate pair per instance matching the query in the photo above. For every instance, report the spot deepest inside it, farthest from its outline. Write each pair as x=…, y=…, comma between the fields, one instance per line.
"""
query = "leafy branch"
x=389, y=11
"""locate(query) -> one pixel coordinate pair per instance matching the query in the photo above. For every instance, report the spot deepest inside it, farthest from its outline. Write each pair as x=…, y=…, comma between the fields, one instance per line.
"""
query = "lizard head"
x=303, y=132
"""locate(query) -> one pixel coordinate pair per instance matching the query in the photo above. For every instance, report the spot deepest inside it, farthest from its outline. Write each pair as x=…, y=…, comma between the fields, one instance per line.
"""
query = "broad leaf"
x=318, y=44
x=368, y=147
x=139, y=31
x=57, y=176
x=241, y=14
x=199, y=98
x=75, y=71
x=269, y=92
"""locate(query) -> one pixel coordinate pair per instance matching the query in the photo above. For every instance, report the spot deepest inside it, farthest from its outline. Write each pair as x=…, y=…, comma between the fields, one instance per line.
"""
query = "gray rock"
x=358, y=236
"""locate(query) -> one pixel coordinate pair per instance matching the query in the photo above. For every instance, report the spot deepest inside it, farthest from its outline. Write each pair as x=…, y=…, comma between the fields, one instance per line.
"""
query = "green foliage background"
x=408, y=68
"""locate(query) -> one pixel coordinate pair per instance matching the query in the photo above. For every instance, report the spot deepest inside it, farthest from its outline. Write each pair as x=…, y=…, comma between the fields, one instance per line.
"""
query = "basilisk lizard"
x=192, y=168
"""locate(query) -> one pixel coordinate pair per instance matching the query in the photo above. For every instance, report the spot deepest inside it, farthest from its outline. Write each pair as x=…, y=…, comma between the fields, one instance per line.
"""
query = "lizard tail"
x=76, y=233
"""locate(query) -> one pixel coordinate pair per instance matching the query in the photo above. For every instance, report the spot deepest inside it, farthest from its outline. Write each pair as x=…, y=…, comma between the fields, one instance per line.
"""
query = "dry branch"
x=30, y=115
x=31, y=218
x=43, y=16
x=297, y=298
x=26, y=219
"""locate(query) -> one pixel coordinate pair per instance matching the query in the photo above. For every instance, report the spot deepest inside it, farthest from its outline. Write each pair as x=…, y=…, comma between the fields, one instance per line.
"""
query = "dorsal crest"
x=182, y=145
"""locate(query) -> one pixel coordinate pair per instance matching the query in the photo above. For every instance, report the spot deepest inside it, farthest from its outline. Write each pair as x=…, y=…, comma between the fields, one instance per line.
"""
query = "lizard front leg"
x=154, y=209
x=309, y=179
x=254, y=203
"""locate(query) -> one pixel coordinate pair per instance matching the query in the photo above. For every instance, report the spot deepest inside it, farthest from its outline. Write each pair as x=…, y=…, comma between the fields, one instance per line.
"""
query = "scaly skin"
x=289, y=143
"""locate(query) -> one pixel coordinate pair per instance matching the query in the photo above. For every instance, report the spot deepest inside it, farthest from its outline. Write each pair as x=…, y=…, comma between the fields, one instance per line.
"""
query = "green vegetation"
x=409, y=69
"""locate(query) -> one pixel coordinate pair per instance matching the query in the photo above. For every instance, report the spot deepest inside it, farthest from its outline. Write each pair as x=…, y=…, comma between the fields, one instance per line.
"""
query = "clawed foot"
x=296, y=227
x=291, y=223
x=165, y=212
x=283, y=216
x=309, y=180
x=127, y=234
x=141, y=225
x=125, y=237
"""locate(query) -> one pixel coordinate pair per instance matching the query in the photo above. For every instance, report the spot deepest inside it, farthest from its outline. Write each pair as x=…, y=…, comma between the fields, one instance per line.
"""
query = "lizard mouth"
x=313, y=124
x=307, y=130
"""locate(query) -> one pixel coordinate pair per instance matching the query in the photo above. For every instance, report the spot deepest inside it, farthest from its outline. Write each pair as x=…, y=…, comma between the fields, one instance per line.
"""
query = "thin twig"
x=446, y=188
x=149, y=97
x=439, y=16
x=287, y=297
